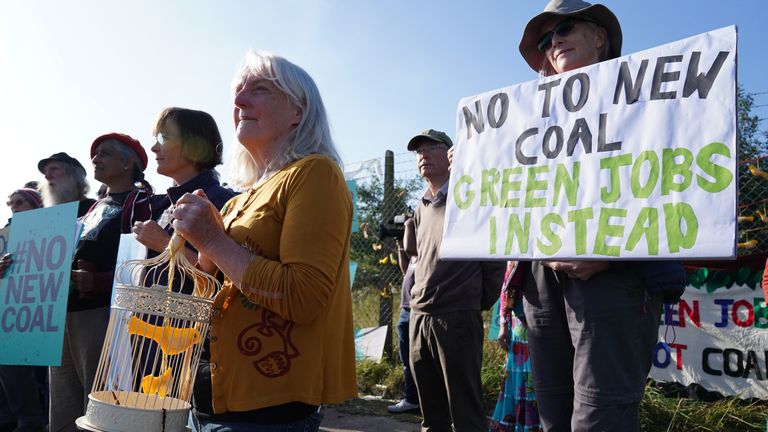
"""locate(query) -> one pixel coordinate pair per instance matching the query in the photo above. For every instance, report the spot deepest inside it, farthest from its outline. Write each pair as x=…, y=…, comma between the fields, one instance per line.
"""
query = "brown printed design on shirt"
x=269, y=340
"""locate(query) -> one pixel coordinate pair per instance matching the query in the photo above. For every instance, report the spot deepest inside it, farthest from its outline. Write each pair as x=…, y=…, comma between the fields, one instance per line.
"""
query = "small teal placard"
x=34, y=290
x=494, y=328
x=352, y=185
x=352, y=271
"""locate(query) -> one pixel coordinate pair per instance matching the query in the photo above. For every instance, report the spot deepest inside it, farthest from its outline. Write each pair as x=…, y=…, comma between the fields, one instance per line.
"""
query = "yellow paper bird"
x=762, y=216
x=757, y=172
x=751, y=244
x=158, y=385
x=172, y=340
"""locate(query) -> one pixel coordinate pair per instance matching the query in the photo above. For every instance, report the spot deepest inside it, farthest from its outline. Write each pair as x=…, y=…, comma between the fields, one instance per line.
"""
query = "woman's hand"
x=83, y=282
x=5, y=262
x=504, y=337
x=151, y=235
x=198, y=220
x=84, y=279
x=581, y=270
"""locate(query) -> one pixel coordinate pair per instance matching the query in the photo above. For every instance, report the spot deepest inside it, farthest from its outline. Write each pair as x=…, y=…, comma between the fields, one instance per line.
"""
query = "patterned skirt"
x=516, y=409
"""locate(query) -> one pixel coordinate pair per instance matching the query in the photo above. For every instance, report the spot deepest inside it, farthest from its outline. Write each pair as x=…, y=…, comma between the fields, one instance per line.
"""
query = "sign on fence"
x=628, y=158
x=718, y=340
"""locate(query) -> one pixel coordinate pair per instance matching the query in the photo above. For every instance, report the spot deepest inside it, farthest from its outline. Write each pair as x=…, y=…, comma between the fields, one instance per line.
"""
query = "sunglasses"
x=562, y=29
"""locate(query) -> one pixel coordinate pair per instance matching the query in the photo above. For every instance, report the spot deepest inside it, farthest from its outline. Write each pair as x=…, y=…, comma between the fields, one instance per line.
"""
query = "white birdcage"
x=152, y=347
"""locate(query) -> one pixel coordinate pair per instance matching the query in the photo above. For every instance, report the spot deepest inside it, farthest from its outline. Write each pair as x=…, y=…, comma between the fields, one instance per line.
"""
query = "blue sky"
x=386, y=70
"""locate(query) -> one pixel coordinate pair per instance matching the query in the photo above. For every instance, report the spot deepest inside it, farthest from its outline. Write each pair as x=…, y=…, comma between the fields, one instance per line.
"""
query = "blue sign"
x=352, y=271
x=34, y=289
x=352, y=185
x=495, y=327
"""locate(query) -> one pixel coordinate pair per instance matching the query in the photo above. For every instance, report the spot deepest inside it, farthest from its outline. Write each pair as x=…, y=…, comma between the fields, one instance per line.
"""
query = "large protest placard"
x=625, y=159
x=36, y=285
x=718, y=340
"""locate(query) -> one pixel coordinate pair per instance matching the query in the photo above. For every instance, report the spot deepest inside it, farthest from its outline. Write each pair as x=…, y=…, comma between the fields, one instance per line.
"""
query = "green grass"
x=658, y=413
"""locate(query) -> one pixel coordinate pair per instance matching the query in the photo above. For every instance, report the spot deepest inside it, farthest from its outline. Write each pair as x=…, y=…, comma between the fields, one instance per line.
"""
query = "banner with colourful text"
x=34, y=289
x=718, y=340
x=625, y=159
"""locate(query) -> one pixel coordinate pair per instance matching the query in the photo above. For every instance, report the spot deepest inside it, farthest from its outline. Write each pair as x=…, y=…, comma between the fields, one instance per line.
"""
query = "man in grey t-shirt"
x=446, y=326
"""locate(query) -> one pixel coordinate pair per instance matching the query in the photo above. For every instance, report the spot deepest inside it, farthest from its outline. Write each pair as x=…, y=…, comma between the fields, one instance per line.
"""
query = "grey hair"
x=311, y=136
x=81, y=182
x=79, y=176
x=127, y=153
x=74, y=189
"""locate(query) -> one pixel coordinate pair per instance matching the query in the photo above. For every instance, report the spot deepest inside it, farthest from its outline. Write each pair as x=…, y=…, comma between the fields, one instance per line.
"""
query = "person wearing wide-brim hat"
x=564, y=13
x=592, y=325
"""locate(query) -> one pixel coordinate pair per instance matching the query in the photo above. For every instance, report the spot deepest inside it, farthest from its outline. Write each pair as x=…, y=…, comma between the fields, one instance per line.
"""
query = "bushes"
x=657, y=411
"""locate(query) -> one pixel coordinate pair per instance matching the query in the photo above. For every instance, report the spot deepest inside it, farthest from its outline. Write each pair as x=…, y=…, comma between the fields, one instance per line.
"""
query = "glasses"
x=429, y=148
x=162, y=139
x=562, y=29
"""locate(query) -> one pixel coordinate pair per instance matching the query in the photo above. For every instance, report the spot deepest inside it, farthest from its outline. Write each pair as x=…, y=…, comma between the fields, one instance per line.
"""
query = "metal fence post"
x=388, y=212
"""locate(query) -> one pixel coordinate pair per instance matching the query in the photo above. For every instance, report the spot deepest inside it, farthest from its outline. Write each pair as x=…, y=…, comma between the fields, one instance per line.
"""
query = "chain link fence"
x=392, y=191
x=753, y=207
x=383, y=201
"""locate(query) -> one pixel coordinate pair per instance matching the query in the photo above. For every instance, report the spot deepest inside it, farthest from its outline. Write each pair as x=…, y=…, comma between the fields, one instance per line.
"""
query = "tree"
x=373, y=250
x=752, y=142
x=753, y=178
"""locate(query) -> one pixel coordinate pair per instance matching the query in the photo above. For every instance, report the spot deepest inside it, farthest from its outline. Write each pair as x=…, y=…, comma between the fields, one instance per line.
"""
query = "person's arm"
x=402, y=257
x=89, y=282
x=505, y=303
x=313, y=241
x=765, y=282
x=5, y=262
x=198, y=221
x=153, y=236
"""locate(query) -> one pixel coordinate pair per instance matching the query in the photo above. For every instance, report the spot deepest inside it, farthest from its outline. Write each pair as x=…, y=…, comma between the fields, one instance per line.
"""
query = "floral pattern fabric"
x=516, y=409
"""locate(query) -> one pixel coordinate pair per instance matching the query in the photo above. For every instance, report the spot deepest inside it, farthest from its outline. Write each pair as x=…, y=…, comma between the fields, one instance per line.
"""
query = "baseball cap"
x=430, y=134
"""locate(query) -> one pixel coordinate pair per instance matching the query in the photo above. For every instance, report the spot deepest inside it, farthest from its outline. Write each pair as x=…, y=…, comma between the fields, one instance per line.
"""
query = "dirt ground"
x=362, y=415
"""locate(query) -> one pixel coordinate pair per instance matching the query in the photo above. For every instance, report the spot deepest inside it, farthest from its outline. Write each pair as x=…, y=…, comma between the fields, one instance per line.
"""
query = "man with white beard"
x=64, y=182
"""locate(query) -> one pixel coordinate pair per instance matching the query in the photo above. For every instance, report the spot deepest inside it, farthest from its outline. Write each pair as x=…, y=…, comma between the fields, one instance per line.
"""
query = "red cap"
x=128, y=140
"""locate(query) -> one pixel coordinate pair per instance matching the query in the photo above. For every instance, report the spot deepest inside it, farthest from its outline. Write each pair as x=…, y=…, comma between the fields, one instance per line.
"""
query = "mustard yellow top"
x=290, y=337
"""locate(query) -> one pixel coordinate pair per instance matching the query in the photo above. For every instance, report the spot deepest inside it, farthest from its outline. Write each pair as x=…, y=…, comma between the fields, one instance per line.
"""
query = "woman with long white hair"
x=281, y=339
